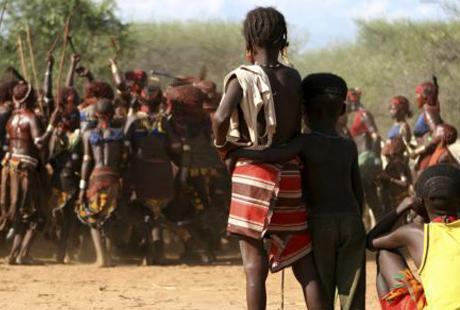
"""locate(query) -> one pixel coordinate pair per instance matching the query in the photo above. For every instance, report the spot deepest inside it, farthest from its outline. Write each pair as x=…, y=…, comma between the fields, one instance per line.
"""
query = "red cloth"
x=359, y=127
x=408, y=294
x=266, y=202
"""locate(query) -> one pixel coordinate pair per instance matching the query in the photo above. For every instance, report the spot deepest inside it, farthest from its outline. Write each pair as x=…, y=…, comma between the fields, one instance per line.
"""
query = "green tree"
x=92, y=26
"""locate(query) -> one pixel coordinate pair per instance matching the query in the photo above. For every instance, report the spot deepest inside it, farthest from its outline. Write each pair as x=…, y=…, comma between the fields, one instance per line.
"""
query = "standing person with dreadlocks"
x=21, y=199
x=366, y=136
x=426, y=124
x=100, y=185
x=66, y=152
x=261, y=107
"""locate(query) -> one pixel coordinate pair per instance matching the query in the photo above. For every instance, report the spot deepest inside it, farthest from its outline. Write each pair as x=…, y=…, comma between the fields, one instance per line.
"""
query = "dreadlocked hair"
x=265, y=27
x=99, y=89
x=67, y=92
x=440, y=179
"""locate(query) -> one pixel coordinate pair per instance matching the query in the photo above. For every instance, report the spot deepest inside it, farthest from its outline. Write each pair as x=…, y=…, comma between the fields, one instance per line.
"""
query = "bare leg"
x=389, y=264
x=26, y=246
x=305, y=272
x=255, y=263
x=15, y=248
x=108, y=248
x=98, y=246
x=66, y=227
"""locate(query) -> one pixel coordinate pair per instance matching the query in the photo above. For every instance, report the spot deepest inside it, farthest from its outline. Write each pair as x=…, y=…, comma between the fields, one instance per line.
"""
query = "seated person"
x=433, y=246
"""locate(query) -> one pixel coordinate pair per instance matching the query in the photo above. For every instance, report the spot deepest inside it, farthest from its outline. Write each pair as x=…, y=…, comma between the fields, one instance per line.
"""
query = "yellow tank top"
x=440, y=268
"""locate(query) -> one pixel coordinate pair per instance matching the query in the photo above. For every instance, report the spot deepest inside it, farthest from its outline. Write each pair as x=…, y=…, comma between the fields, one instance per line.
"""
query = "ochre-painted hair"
x=99, y=89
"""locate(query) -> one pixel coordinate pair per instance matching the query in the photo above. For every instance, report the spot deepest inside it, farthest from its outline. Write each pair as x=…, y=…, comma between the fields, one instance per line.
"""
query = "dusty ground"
x=125, y=287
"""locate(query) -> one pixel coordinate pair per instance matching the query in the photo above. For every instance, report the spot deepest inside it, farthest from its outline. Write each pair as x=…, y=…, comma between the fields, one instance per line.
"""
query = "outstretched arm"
x=75, y=59
x=48, y=85
x=381, y=237
x=117, y=78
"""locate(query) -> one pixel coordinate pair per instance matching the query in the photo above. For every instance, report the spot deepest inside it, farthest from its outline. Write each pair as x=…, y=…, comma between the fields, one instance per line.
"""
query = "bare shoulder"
x=412, y=227
x=291, y=74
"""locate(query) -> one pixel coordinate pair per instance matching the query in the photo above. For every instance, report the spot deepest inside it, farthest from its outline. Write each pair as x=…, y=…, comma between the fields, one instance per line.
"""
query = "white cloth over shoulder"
x=257, y=95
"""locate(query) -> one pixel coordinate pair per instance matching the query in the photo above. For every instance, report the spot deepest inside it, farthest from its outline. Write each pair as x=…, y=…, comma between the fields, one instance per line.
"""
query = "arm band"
x=219, y=146
x=82, y=185
x=49, y=128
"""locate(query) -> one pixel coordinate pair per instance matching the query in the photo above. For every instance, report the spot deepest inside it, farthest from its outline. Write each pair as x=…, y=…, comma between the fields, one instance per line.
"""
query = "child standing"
x=332, y=190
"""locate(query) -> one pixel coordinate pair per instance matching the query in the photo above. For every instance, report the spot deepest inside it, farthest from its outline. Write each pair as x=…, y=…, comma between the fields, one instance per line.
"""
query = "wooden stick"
x=25, y=73
x=115, y=47
x=53, y=47
x=61, y=64
x=32, y=57
x=3, y=11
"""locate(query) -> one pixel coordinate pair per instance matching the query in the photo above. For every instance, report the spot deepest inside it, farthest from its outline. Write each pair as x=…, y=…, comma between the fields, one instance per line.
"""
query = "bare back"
x=22, y=128
x=285, y=84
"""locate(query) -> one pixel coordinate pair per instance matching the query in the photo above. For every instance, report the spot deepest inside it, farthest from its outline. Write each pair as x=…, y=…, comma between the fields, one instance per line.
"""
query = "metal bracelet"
x=82, y=184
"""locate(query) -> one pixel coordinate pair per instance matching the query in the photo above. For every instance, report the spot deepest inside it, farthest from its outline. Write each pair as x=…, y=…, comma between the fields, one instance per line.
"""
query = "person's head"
x=264, y=28
x=151, y=99
x=136, y=80
x=354, y=95
x=426, y=94
x=446, y=134
x=104, y=110
x=400, y=108
x=212, y=97
x=24, y=95
x=394, y=149
x=98, y=90
x=324, y=96
x=439, y=188
x=70, y=97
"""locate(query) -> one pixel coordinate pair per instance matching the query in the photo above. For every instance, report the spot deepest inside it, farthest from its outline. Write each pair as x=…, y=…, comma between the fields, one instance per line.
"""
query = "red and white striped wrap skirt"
x=267, y=203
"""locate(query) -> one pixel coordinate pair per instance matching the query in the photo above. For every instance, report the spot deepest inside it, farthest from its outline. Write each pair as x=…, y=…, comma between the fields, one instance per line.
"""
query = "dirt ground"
x=78, y=286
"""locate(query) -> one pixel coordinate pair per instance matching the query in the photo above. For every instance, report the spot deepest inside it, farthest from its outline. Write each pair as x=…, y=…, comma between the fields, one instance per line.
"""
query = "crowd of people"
x=126, y=159
x=295, y=169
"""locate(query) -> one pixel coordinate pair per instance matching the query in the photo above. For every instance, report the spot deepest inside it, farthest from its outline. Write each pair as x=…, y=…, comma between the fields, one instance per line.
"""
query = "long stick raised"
x=61, y=64
x=3, y=11
x=25, y=73
x=32, y=58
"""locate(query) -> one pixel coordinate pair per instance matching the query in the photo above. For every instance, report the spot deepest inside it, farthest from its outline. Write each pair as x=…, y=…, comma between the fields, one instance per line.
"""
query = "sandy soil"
x=124, y=287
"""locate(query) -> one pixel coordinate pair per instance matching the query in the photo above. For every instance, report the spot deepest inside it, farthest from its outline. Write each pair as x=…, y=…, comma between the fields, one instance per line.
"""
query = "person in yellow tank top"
x=434, y=246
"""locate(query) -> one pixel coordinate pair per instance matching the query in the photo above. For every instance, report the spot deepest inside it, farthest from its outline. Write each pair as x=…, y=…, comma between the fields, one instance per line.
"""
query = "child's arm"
x=356, y=180
x=278, y=154
x=382, y=236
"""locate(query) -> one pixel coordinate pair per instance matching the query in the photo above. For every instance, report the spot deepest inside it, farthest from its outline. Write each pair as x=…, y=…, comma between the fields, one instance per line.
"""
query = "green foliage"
x=390, y=58
x=92, y=26
x=184, y=48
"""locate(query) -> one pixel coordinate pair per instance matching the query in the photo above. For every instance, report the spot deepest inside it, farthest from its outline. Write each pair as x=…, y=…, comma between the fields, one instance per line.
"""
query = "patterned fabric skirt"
x=267, y=203
x=102, y=198
x=21, y=200
x=408, y=294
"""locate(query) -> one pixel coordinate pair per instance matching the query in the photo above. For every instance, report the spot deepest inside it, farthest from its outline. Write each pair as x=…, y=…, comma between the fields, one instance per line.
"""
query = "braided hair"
x=265, y=27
